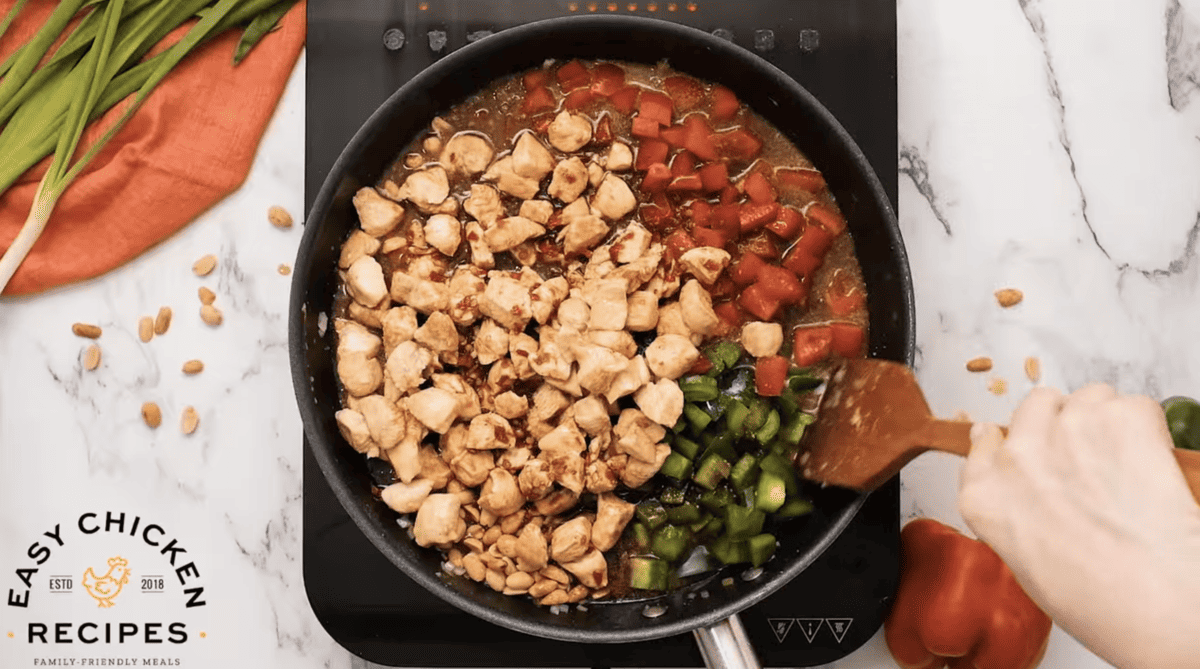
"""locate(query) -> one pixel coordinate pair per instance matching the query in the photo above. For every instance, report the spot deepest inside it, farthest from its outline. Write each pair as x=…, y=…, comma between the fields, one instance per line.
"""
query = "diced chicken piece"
x=415, y=236
x=435, y=408
x=639, y=271
x=670, y=356
x=530, y=158
x=632, y=243
x=576, y=210
x=358, y=245
x=538, y=211
x=571, y=540
x=574, y=313
x=406, y=365
x=501, y=376
x=394, y=243
x=507, y=180
x=565, y=438
x=591, y=415
x=354, y=428
x=620, y=157
x=511, y=231
x=595, y=174
x=705, y=263
x=384, y=420
x=762, y=339
x=591, y=569
x=507, y=302
x=407, y=497
x=443, y=233
x=438, y=334
x=643, y=311
x=360, y=375
x=399, y=324
x=438, y=522
x=471, y=468
x=406, y=456
x=433, y=468
x=556, y=502
x=424, y=296
x=441, y=127
x=612, y=515
x=598, y=477
x=466, y=286
x=569, y=181
x=535, y=479
x=367, y=316
x=551, y=361
x=377, y=214
x=547, y=403
x=466, y=153
x=635, y=375
x=428, y=267
x=570, y=385
x=355, y=339
x=489, y=431
x=567, y=468
x=618, y=340
x=582, y=234
x=636, y=435
x=526, y=277
x=491, y=342
x=613, y=198
x=637, y=471
x=609, y=307
x=524, y=351
x=364, y=282
x=511, y=405
x=449, y=207
x=484, y=204
x=698, y=314
x=513, y=459
x=547, y=297
x=481, y=253
x=500, y=493
x=569, y=132
x=598, y=366
x=533, y=552
x=468, y=399
x=670, y=321
x=662, y=402
x=426, y=188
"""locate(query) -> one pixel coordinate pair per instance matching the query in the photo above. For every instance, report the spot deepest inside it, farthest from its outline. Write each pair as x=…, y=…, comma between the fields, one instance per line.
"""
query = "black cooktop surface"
x=359, y=52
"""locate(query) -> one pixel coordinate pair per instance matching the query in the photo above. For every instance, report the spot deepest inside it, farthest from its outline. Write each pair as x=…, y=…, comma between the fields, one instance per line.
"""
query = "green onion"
x=259, y=27
x=9, y=17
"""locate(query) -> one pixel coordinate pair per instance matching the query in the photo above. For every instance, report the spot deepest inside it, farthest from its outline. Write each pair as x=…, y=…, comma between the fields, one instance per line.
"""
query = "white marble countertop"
x=1047, y=145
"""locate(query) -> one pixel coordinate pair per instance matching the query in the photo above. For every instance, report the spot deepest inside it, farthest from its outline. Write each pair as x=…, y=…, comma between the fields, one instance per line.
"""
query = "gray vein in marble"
x=914, y=167
x=1183, y=56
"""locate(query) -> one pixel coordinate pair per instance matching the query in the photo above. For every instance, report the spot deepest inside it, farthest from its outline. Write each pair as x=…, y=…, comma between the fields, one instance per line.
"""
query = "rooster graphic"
x=104, y=589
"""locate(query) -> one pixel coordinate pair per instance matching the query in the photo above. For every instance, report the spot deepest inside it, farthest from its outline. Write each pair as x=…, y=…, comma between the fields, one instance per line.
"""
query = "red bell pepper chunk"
x=725, y=217
x=699, y=211
x=770, y=375
x=843, y=296
x=826, y=218
x=651, y=151
x=753, y=216
x=811, y=345
x=714, y=176
x=702, y=366
x=737, y=144
x=675, y=135
x=816, y=240
x=656, y=179
x=535, y=79
x=810, y=181
x=644, y=127
x=657, y=212
x=745, y=271
x=687, y=182
x=759, y=189
x=780, y=284
x=538, y=100
x=723, y=287
x=698, y=137
x=604, y=131
x=847, y=339
x=729, y=194
x=685, y=92
x=800, y=261
x=683, y=164
x=656, y=106
x=761, y=243
x=755, y=300
x=579, y=98
x=710, y=237
x=573, y=75
x=678, y=242
x=607, y=79
x=731, y=315
x=788, y=224
x=625, y=99
x=958, y=603
x=725, y=104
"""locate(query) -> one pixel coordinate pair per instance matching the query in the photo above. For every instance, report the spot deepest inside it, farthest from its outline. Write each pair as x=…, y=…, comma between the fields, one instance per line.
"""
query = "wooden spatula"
x=873, y=419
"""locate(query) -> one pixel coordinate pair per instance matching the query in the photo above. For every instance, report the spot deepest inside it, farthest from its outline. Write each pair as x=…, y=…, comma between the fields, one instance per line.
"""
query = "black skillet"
x=408, y=113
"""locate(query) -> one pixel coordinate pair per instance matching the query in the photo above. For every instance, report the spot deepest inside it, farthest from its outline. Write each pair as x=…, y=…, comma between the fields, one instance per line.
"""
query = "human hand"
x=1086, y=504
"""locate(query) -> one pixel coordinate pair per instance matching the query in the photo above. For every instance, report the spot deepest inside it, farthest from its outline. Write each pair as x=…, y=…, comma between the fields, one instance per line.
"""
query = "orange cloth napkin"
x=190, y=145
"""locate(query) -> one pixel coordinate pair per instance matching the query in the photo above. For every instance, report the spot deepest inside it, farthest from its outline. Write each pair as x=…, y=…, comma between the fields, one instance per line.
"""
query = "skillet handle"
x=726, y=646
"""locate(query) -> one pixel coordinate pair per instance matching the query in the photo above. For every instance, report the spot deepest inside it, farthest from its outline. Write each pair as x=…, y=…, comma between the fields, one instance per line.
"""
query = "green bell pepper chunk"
x=793, y=430
x=743, y=471
x=729, y=550
x=670, y=542
x=684, y=514
x=699, y=388
x=716, y=500
x=639, y=536
x=743, y=522
x=773, y=462
x=676, y=466
x=795, y=506
x=652, y=513
x=647, y=573
x=735, y=416
x=760, y=548
x=712, y=470
x=698, y=417
x=686, y=447
x=769, y=428
x=771, y=492
x=672, y=496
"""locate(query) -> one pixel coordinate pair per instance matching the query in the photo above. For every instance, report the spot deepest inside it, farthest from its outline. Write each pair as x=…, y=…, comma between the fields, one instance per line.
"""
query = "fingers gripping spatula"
x=873, y=419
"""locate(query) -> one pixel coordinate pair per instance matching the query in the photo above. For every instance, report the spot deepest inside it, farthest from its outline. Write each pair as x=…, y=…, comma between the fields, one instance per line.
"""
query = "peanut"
x=555, y=597
x=205, y=265
x=474, y=567
x=193, y=367
x=979, y=364
x=542, y=588
x=152, y=414
x=211, y=315
x=189, y=421
x=1009, y=297
x=207, y=296
x=279, y=217
x=495, y=579
x=91, y=357
x=162, y=322
x=1033, y=369
x=519, y=581
x=86, y=330
x=998, y=386
x=145, y=328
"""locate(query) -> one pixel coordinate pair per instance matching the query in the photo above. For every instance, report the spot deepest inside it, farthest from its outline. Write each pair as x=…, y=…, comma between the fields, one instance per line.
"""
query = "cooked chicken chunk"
x=443, y=233
x=591, y=415
x=632, y=243
x=618, y=340
x=507, y=302
x=705, y=263
x=468, y=399
x=435, y=408
x=481, y=254
x=762, y=339
x=574, y=313
x=491, y=342
x=364, y=282
x=384, y=419
x=576, y=210
x=636, y=434
x=612, y=515
x=406, y=365
x=399, y=324
x=358, y=245
x=355, y=339
x=433, y=468
x=569, y=181
x=569, y=132
x=547, y=402
x=484, y=204
x=377, y=214
x=670, y=356
x=598, y=366
x=360, y=375
x=500, y=493
x=613, y=198
x=437, y=522
x=466, y=153
x=532, y=550
x=509, y=232
x=471, y=468
x=426, y=188
x=620, y=157
x=635, y=375
x=506, y=179
x=531, y=159
x=591, y=569
x=424, y=296
x=670, y=321
x=535, y=479
x=354, y=428
x=465, y=288
x=366, y=315
x=428, y=267
x=438, y=334
x=511, y=405
x=643, y=311
x=582, y=233
x=556, y=502
x=662, y=402
x=523, y=349
x=638, y=471
x=698, y=313
x=609, y=307
x=407, y=497
x=538, y=211
x=639, y=271
x=571, y=540
x=550, y=360
x=489, y=431
x=547, y=297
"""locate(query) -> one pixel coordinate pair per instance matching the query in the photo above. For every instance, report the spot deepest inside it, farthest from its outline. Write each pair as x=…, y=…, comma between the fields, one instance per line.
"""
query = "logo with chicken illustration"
x=104, y=589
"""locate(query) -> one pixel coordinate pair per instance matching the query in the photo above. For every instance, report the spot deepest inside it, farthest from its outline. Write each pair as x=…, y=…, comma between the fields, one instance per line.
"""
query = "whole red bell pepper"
x=959, y=606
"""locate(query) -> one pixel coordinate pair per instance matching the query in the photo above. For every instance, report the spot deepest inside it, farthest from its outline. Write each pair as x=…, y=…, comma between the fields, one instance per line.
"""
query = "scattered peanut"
x=86, y=330
x=189, y=421
x=162, y=322
x=979, y=364
x=145, y=328
x=91, y=357
x=211, y=315
x=193, y=367
x=205, y=265
x=1033, y=369
x=152, y=414
x=285, y=269
x=998, y=386
x=207, y=296
x=279, y=217
x=1009, y=297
